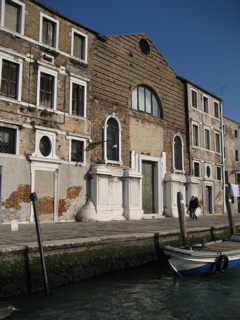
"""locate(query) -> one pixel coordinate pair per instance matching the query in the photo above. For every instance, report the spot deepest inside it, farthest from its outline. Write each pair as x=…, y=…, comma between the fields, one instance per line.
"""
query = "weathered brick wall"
x=119, y=66
x=30, y=70
x=26, y=116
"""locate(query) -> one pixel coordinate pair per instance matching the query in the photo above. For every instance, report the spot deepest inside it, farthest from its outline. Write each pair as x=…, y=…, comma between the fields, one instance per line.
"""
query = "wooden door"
x=147, y=187
x=208, y=197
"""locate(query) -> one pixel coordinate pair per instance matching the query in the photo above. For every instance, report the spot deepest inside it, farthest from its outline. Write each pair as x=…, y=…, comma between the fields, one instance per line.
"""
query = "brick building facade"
x=134, y=87
x=45, y=63
x=97, y=126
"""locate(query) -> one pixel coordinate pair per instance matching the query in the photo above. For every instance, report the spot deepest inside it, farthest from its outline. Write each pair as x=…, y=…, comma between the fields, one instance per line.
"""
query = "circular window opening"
x=144, y=46
x=208, y=171
x=45, y=146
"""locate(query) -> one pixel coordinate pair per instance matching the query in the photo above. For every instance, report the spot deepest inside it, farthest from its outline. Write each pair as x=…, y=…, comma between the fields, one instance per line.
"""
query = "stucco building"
x=205, y=141
x=232, y=161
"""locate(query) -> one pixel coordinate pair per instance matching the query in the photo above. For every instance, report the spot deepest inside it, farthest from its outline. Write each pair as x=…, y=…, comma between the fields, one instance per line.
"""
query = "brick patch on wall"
x=21, y=195
x=73, y=192
x=62, y=207
x=45, y=205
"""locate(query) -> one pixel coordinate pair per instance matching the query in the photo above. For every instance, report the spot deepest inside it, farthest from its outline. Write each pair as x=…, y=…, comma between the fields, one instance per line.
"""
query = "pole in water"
x=230, y=215
x=181, y=215
x=34, y=198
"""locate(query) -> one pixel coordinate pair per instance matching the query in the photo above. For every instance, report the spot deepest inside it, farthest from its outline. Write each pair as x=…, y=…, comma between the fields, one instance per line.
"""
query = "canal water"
x=143, y=293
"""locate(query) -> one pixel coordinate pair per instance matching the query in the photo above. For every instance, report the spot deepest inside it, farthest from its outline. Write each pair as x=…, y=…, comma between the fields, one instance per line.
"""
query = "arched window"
x=112, y=138
x=144, y=99
x=178, y=153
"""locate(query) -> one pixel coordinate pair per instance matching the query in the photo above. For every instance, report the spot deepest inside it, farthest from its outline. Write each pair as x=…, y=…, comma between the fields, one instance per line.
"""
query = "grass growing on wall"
x=22, y=276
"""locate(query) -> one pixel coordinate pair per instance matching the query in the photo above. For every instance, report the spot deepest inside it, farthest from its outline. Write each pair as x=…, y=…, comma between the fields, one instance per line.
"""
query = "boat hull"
x=189, y=262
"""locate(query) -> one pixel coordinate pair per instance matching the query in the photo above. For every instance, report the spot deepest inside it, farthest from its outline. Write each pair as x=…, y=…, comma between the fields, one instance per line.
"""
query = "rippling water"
x=145, y=293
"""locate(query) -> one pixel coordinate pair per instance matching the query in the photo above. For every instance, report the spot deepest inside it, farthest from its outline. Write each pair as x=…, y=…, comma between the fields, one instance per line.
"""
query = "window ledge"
x=119, y=163
x=77, y=164
x=78, y=61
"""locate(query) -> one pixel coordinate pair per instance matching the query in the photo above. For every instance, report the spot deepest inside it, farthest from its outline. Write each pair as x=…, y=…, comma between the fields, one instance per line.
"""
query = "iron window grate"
x=77, y=151
x=7, y=140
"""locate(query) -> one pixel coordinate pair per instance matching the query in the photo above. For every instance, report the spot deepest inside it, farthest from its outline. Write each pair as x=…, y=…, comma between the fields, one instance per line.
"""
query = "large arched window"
x=144, y=99
x=177, y=153
x=112, y=138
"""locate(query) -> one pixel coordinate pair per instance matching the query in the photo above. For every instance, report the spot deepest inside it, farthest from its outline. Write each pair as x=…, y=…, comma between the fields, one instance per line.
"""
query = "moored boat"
x=212, y=258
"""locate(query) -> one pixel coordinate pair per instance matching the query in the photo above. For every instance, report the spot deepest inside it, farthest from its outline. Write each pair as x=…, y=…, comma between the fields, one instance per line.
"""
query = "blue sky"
x=200, y=39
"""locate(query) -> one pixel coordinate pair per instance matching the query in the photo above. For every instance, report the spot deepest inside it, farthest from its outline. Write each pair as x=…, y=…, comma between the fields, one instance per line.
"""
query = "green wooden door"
x=147, y=187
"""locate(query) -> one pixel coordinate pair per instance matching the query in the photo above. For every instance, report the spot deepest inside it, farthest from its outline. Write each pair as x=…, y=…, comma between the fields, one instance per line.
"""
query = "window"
x=208, y=171
x=205, y=104
x=195, y=135
x=219, y=173
x=49, y=31
x=112, y=138
x=178, y=154
x=236, y=155
x=9, y=79
x=7, y=140
x=196, y=169
x=236, y=133
x=226, y=177
x=194, y=99
x=77, y=97
x=13, y=15
x=45, y=146
x=79, y=45
x=207, y=139
x=10, y=74
x=217, y=143
x=47, y=88
x=144, y=46
x=143, y=99
x=216, y=110
x=238, y=178
x=77, y=151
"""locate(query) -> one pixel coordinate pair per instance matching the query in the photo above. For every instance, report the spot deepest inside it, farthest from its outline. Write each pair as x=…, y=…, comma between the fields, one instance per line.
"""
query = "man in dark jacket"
x=193, y=205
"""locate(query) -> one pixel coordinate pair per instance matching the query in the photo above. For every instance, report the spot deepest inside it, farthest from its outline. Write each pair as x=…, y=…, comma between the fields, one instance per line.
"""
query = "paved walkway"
x=82, y=230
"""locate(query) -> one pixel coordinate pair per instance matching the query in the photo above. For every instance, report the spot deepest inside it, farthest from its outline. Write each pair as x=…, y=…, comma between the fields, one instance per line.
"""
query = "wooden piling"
x=34, y=198
x=230, y=215
x=181, y=216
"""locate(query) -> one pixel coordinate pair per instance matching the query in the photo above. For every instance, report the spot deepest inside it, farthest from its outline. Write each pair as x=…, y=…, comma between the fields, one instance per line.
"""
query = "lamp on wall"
x=93, y=145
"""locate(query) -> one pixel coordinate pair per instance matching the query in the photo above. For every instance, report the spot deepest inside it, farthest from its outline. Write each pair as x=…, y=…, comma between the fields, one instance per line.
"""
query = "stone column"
x=132, y=195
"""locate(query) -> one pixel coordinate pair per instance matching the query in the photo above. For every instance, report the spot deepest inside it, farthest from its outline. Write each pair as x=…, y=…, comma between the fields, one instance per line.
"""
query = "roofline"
x=195, y=85
x=231, y=120
x=44, y=6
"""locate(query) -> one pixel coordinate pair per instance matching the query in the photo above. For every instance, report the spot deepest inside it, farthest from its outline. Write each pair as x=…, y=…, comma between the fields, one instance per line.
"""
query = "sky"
x=200, y=39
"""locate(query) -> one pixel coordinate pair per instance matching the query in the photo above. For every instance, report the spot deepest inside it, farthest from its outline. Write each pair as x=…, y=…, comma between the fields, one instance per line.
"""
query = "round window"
x=45, y=146
x=144, y=46
x=208, y=171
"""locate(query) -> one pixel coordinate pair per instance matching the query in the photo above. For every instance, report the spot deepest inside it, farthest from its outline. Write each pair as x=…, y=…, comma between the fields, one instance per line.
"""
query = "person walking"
x=193, y=205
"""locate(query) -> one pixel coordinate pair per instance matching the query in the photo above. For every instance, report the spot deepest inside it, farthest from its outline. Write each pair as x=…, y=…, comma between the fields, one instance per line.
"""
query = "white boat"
x=212, y=258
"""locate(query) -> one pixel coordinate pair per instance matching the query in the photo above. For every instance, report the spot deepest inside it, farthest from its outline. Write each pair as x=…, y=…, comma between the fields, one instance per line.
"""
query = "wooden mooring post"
x=230, y=215
x=181, y=216
x=34, y=198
